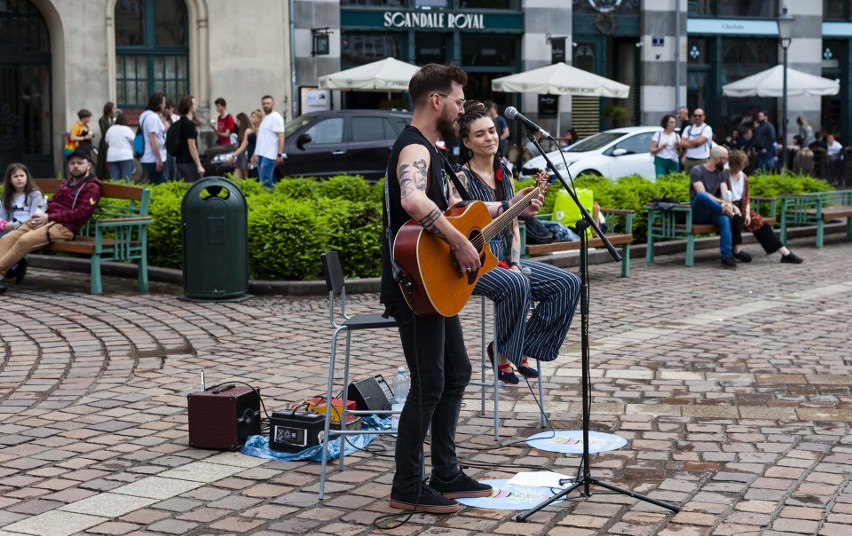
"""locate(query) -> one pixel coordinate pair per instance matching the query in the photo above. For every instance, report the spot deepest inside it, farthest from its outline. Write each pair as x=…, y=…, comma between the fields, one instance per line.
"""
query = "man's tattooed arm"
x=428, y=223
x=412, y=177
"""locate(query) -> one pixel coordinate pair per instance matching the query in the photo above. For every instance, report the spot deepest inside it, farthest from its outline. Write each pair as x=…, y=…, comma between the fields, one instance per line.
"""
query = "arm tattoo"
x=413, y=178
x=428, y=223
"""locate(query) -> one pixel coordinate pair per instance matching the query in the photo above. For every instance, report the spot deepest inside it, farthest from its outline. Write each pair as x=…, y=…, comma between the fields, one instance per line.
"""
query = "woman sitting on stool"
x=482, y=176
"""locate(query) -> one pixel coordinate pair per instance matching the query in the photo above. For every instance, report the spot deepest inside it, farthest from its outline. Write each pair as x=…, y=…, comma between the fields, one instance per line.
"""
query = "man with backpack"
x=182, y=142
x=153, y=133
x=696, y=140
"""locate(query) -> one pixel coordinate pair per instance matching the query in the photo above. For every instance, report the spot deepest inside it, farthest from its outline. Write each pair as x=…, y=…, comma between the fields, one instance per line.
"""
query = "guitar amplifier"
x=372, y=394
x=222, y=417
x=296, y=430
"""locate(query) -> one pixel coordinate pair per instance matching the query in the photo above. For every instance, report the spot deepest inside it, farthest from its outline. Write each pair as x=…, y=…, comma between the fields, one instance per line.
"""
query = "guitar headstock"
x=542, y=181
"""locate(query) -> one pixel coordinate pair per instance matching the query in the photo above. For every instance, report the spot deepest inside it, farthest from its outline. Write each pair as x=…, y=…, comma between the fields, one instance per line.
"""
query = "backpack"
x=139, y=139
x=173, y=144
x=537, y=233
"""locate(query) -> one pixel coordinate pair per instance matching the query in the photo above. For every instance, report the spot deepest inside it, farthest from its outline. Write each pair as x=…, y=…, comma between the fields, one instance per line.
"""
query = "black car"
x=325, y=144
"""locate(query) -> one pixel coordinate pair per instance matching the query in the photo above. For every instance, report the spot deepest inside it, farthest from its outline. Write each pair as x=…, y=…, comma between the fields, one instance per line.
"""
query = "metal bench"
x=676, y=224
x=623, y=239
x=816, y=209
x=117, y=231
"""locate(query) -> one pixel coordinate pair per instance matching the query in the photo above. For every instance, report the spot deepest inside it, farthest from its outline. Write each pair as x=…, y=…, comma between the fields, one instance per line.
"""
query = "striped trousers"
x=556, y=292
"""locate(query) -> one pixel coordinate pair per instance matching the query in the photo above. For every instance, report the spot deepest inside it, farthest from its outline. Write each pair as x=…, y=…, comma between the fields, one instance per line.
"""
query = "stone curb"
x=362, y=285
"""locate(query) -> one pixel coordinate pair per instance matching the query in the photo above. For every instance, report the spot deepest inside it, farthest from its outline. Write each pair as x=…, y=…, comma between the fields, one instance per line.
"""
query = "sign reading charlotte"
x=400, y=19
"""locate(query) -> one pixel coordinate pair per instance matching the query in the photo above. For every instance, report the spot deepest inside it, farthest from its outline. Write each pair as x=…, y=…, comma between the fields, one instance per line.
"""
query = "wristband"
x=505, y=205
x=513, y=264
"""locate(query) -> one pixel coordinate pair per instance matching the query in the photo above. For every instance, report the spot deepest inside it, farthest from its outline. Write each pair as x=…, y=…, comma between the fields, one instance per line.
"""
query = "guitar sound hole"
x=477, y=240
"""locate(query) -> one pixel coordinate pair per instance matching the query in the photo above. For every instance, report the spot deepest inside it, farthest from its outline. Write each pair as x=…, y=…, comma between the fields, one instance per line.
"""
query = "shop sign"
x=434, y=20
x=732, y=27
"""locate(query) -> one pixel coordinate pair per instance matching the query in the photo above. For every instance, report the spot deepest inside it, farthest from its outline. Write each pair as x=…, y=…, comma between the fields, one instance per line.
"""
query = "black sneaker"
x=728, y=262
x=460, y=487
x=429, y=501
x=742, y=256
x=792, y=258
x=21, y=271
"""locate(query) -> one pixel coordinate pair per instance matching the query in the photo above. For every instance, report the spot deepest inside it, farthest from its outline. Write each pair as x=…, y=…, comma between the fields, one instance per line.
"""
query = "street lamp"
x=785, y=29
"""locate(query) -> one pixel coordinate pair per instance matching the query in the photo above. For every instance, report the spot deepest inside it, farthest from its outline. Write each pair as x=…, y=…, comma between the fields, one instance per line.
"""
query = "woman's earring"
x=469, y=154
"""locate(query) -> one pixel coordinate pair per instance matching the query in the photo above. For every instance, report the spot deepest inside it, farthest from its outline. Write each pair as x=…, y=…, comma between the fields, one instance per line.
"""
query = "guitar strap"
x=453, y=177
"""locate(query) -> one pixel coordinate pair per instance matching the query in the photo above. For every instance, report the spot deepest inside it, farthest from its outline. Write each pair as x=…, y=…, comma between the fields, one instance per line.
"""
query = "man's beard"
x=448, y=128
x=77, y=175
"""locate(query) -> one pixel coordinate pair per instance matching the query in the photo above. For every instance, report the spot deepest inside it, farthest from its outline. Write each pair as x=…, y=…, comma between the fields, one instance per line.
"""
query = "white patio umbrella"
x=770, y=83
x=561, y=79
x=388, y=74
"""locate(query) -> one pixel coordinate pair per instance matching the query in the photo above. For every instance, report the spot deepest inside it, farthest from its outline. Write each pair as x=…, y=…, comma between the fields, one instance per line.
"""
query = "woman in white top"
x=119, y=140
x=665, y=147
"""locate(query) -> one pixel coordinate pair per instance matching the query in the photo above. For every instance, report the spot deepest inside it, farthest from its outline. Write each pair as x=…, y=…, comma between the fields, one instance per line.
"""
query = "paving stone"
x=55, y=523
x=746, y=442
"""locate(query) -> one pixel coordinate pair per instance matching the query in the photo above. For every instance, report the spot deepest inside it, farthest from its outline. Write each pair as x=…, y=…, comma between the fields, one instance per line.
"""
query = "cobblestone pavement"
x=731, y=387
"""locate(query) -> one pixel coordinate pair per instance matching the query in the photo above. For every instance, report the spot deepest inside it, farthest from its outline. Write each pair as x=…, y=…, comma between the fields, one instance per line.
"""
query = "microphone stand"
x=586, y=479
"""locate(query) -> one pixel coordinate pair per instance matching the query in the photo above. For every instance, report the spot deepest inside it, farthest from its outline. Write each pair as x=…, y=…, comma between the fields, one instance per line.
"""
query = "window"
x=371, y=129
x=489, y=4
x=493, y=52
x=152, y=51
x=836, y=9
x=327, y=131
x=641, y=143
x=360, y=48
x=380, y=3
x=735, y=8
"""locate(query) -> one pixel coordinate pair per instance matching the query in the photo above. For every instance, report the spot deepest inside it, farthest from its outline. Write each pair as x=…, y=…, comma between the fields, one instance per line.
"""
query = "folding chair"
x=341, y=321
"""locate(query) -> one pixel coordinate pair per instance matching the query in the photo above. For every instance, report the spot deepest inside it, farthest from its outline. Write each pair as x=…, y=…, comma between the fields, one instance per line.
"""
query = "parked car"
x=325, y=144
x=611, y=154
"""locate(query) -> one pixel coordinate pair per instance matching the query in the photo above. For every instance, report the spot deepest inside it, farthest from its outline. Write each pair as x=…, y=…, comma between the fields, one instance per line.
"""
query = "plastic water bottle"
x=728, y=197
x=40, y=208
x=401, y=385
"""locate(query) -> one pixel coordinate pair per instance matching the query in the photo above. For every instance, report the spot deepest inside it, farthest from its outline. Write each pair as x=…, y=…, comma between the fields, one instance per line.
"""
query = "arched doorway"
x=25, y=88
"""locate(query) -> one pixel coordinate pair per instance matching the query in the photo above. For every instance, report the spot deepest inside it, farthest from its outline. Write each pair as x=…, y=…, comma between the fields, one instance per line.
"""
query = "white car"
x=611, y=154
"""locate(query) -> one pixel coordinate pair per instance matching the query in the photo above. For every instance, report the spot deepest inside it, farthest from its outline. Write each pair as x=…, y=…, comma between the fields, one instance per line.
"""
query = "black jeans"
x=765, y=235
x=440, y=370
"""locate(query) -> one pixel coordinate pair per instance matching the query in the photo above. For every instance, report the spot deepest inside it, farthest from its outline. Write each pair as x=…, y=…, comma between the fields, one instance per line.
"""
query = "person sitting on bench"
x=66, y=213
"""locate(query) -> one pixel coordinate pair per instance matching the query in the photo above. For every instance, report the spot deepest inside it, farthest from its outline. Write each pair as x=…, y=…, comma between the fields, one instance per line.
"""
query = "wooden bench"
x=117, y=231
x=816, y=209
x=617, y=239
x=676, y=224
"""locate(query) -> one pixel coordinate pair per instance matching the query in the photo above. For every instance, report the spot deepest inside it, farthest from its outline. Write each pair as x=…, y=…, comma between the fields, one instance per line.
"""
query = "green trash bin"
x=214, y=228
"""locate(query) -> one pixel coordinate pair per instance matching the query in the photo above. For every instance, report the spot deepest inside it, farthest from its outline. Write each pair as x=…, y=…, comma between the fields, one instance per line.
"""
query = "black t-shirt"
x=187, y=132
x=712, y=181
x=437, y=190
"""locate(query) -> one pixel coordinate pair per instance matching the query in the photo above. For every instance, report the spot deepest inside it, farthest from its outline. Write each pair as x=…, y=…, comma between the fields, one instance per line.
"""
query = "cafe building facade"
x=58, y=56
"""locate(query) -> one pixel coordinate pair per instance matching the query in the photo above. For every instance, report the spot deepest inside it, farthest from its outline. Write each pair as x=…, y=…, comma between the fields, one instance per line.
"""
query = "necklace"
x=483, y=178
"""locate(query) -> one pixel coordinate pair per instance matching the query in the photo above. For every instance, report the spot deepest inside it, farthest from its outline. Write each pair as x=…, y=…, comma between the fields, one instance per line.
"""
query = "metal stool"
x=485, y=365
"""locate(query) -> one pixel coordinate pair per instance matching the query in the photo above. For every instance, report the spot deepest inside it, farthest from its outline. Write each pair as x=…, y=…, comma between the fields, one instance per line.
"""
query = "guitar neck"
x=509, y=216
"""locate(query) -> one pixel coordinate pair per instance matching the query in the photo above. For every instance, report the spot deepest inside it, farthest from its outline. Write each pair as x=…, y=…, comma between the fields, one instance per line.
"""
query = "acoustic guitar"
x=432, y=281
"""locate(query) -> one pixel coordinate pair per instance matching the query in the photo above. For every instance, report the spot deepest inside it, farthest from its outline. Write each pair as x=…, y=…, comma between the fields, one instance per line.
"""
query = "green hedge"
x=290, y=226
x=634, y=191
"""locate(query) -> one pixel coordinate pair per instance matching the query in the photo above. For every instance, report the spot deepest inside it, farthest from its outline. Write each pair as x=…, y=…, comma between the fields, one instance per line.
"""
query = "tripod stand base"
x=587, y=482
x=571, y=442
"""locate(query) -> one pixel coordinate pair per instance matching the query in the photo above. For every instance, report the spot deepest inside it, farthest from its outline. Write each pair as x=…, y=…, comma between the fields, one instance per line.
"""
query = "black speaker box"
x=372, y=394
x=222, y=417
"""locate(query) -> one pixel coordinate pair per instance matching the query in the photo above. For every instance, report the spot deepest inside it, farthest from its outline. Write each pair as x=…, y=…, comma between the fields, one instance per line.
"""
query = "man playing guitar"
x=417, y=187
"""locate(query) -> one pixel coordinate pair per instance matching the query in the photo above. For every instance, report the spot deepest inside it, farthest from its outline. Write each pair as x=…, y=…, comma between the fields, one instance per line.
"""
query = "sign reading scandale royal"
x=434, y=20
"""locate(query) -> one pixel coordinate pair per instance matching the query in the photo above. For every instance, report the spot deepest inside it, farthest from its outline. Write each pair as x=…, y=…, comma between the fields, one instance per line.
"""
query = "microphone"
x=512, y=113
